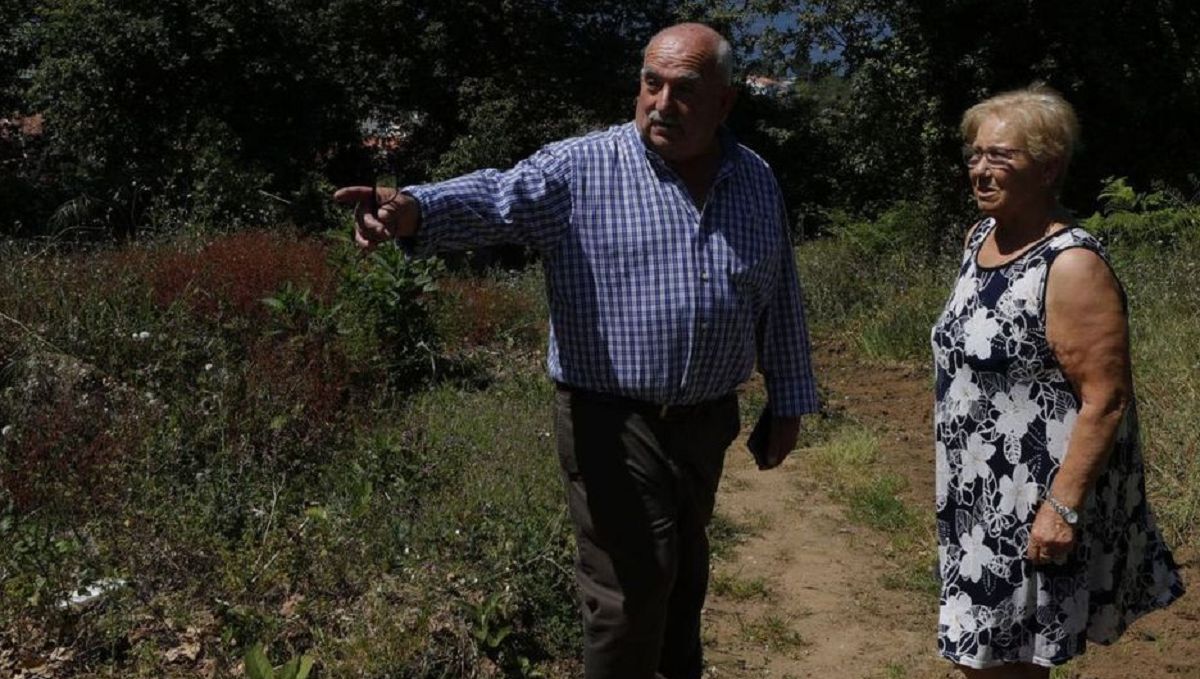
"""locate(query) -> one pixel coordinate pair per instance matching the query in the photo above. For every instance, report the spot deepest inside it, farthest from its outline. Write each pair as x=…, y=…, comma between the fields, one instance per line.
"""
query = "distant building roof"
x=766, y=85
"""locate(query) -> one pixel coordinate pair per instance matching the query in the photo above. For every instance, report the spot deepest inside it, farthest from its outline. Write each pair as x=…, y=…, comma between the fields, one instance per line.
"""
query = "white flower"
x=975, y=459
x=1133, y=492
x=1076, y=609
x=942, y=475
x=962, y=393
x=8, y=428
x=1043, y=647
x=975, y=556
x=979, y=331
x=208, y=367
x=1100, y=570
x=1025, y=293
x=1103, y=627
x=956, y=616
x=1017, y=411
x=1137, y=548
x=1058, y=434
x=1024, y=598
x=140, y=336
x=962, y=293
x=1018, y=493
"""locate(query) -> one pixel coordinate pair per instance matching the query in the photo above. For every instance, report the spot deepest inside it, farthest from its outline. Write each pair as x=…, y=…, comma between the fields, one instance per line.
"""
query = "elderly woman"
x=1045, y=540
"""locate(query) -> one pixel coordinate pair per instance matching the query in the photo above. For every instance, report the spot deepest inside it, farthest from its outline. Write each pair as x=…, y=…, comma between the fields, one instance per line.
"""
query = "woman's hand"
x=1051, y=539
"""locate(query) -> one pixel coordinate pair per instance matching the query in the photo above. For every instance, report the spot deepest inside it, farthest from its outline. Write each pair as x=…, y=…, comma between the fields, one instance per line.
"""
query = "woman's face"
x=1005, y=179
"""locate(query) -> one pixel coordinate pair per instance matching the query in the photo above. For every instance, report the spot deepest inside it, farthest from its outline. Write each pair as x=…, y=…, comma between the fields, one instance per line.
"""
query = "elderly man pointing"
x=668, y=271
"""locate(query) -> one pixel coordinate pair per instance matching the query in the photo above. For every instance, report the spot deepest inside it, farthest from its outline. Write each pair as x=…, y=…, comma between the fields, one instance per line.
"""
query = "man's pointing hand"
x=380, y=214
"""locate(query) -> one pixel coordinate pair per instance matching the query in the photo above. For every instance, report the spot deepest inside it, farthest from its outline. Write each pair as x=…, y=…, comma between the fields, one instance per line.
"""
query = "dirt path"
x=804, y=595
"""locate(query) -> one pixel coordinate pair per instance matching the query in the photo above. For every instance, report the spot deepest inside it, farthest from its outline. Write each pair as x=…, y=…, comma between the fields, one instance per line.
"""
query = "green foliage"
x=274, y=489
x=224, y=114
x=259, y=667
x=880, y=284
x=906, y=71
x=907, y=227
x=1129, y=219
x=387, y=294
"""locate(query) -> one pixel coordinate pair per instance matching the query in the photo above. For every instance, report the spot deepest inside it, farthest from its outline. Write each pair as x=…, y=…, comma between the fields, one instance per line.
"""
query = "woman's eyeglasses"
x=997, y=156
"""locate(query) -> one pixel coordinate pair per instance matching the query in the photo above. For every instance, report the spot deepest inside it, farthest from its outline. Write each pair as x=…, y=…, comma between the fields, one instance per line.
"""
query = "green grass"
x=253, y=475
x=739, y=588
x=849, y=463
x=725, y=533
x=773, y=632
x=1164, y=306
x=375, y=486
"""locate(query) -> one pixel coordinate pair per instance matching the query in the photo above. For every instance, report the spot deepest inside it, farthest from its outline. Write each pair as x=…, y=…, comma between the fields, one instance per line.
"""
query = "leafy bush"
x=1130, y=219
x=907, y=226
x=386, y=299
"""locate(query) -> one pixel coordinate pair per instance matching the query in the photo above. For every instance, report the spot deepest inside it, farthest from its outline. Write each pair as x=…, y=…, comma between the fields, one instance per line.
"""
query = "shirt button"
x=704, y=275
x=704, y=325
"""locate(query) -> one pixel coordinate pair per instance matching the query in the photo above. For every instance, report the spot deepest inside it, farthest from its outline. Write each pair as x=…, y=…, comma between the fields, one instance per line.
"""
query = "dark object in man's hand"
x=760, y=438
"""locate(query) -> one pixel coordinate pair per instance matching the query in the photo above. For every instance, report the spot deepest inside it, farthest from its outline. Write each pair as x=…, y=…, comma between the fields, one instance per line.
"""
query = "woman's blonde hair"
x=1044, y=118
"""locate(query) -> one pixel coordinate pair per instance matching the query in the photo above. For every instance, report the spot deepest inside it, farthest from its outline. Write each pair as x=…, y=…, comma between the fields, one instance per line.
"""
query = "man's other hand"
x=784, y=432
x=380, y=214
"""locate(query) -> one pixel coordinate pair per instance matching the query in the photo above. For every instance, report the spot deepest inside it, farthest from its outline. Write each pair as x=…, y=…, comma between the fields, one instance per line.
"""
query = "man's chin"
x=667, y=148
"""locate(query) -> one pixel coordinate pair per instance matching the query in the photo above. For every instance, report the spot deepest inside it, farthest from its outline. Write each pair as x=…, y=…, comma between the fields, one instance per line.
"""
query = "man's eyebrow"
x=686, y=76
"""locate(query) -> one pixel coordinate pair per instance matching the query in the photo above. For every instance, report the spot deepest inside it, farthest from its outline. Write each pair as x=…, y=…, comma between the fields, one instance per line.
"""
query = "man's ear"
x=728, y=99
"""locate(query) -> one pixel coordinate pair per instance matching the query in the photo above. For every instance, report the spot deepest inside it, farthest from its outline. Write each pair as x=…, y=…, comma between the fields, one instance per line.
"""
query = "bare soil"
x=820, y=606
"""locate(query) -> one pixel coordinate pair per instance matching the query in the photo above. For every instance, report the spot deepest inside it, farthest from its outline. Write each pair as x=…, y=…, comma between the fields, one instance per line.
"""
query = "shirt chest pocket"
x=751, y=262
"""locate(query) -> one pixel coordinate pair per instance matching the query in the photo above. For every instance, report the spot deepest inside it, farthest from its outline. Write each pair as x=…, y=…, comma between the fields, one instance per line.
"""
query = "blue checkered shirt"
x=650, y=297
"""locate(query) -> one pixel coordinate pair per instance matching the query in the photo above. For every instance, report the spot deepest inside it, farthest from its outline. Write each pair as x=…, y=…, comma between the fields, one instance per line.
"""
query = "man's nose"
x=665, y=100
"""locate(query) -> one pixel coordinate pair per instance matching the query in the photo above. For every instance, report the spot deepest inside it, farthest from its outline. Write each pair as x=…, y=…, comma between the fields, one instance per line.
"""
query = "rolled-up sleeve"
x=529, y=204
x=784, y=354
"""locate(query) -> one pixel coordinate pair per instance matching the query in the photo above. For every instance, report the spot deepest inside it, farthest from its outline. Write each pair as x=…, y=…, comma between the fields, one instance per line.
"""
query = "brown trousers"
x=640, y=487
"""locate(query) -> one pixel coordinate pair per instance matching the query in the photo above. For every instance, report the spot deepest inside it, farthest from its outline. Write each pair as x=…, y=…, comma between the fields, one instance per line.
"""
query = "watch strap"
x=1069, y=515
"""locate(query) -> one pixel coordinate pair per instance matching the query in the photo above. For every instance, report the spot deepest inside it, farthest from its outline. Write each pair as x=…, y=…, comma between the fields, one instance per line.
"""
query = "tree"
x=243, y=111
x=911, y=67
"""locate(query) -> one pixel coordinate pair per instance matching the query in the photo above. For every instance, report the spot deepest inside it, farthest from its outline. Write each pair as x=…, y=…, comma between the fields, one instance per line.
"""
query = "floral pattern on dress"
x=1003, y=418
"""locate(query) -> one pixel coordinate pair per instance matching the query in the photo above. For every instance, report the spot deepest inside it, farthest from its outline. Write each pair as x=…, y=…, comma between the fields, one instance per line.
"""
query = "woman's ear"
x=1052, y=172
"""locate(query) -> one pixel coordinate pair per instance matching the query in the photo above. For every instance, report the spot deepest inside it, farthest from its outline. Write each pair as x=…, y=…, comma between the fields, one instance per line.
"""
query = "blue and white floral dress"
x=1003, y=416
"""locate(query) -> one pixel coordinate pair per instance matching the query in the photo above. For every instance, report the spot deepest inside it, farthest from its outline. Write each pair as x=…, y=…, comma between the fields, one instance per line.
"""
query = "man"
x=668, y=266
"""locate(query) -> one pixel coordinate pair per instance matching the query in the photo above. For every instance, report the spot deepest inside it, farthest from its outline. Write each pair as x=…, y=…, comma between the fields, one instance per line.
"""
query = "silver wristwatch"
x=1069, y=515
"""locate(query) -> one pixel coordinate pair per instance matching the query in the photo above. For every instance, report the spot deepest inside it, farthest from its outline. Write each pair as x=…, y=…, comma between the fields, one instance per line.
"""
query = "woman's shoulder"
x=1075, y=236
x=1079, y=260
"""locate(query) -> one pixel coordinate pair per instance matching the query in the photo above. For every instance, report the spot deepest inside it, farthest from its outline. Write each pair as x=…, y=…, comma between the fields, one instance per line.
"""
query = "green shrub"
x=386, y=303
x=1129, y=219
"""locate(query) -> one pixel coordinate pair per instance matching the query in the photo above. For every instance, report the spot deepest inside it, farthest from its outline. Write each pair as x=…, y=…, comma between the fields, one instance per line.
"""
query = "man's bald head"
x=704, y=40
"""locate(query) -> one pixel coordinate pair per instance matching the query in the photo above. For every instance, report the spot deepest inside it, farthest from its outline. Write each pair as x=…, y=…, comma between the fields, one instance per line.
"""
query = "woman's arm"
x=1087, y=330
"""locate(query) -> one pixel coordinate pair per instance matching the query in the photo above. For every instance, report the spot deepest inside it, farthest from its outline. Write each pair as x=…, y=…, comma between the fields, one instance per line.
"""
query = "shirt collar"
x=729, y=150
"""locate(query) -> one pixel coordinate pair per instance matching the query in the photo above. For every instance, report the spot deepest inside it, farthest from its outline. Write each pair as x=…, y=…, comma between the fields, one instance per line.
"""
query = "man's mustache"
x=660, y=119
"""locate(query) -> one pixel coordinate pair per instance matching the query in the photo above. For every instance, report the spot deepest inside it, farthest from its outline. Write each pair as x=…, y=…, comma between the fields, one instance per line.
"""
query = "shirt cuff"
x=429, y=227
x=792, y=398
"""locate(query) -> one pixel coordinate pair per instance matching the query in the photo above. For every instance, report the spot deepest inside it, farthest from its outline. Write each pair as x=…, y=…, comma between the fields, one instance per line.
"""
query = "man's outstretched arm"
x=529, y=204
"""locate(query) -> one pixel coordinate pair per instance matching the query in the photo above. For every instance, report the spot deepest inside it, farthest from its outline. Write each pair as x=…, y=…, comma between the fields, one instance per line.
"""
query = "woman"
x=1045, y=540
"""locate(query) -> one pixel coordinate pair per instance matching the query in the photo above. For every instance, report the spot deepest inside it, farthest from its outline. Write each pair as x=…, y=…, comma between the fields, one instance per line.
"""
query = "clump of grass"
x=739, y=588
x=725, y=533
x=849, y=463
x=774, y=632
